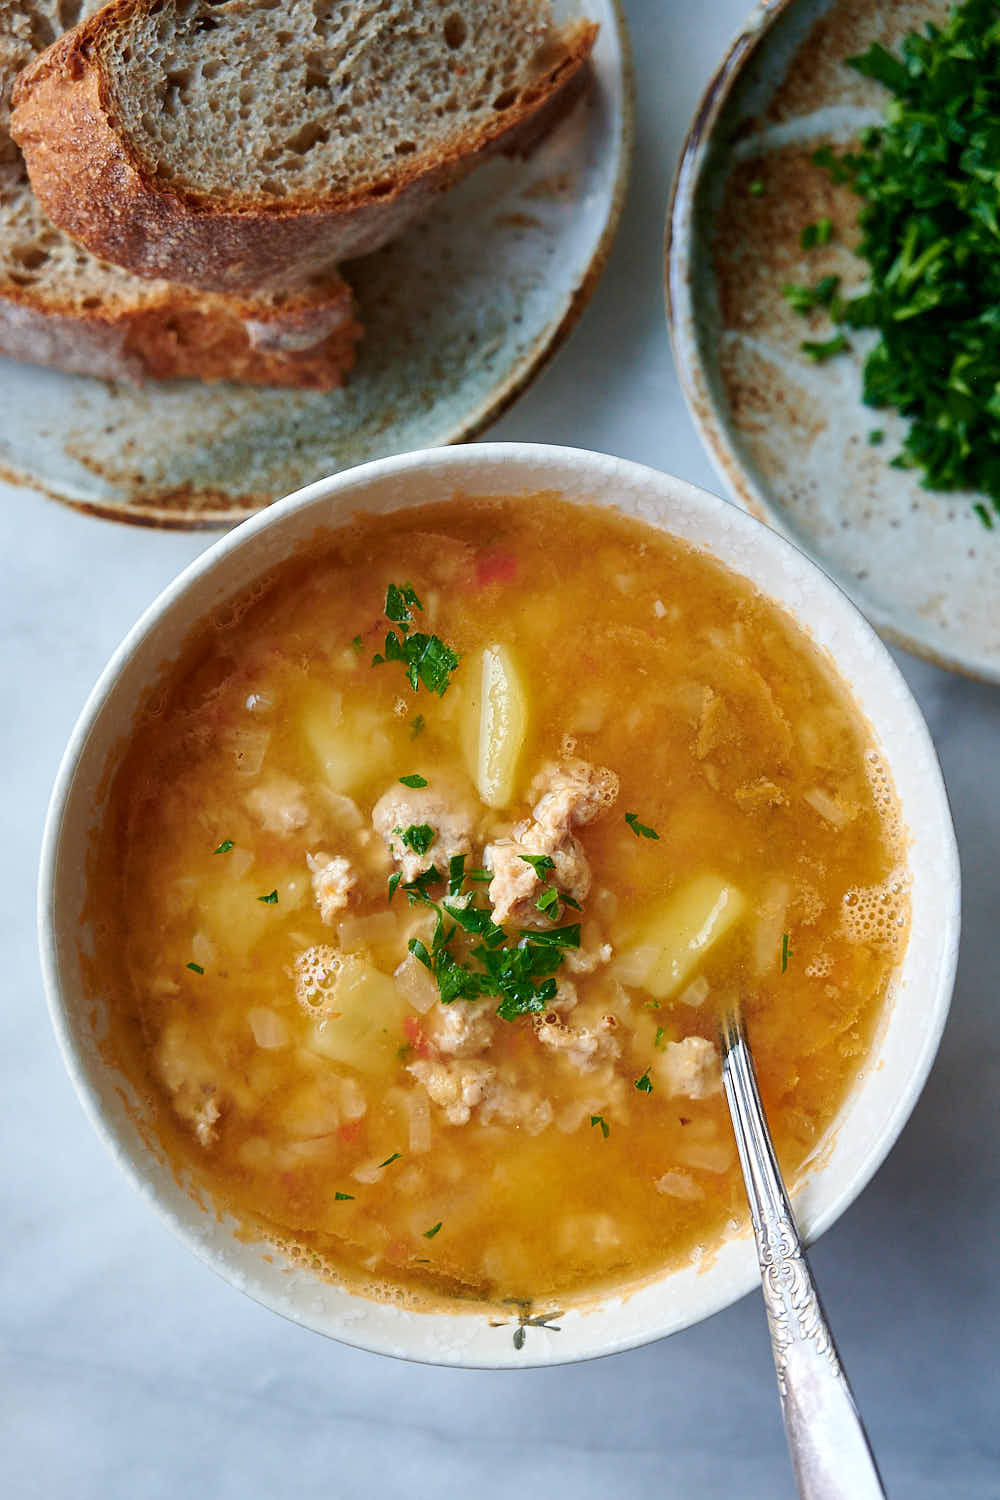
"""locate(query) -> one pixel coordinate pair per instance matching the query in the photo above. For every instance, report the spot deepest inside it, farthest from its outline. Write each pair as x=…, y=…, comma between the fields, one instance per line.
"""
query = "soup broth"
x=427, y=868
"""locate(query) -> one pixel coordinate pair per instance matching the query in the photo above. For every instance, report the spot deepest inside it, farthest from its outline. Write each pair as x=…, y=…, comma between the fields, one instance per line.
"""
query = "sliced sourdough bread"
x=60, y=306
x=253, y=143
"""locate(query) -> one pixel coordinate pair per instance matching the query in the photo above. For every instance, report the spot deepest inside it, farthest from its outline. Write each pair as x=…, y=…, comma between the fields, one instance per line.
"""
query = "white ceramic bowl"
x=890, y=1082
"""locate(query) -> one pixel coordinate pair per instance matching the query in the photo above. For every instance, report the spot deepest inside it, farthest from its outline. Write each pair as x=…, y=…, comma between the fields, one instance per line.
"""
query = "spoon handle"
x=830, y=1450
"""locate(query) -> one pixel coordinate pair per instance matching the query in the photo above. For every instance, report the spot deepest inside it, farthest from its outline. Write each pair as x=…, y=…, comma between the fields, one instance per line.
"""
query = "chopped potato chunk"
x=678, y=932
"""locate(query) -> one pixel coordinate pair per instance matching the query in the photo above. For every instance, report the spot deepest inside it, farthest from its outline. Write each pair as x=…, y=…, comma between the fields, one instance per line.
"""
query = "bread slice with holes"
x=241, y=144
x=60, y=306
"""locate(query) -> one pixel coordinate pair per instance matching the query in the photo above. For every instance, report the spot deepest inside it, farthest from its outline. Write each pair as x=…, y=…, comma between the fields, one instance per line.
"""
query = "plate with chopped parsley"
x=833, y=287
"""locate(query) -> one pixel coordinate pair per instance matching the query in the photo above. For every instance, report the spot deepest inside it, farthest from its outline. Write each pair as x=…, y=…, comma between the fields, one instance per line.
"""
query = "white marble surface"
x=129, y=1372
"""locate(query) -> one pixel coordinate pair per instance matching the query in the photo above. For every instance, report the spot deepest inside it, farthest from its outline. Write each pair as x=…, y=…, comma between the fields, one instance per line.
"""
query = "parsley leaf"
x=419, y=837
x=416, y=726
x=271, y=899
x=456, y=874
x=645, y=1083
x=786, y=952
x=195, y=968
x=426, y=657
x=819, y=233
x=357, y=646
x=396, y=1156
x=394, y=880
x=548, y=900
x=820, y=350
x=434, y=1229
x=659, y=1041
x=540, y=863
x=600, y=1120
x=641, y=830
x=343, y=1197
x=224, y=847
x=413, y=781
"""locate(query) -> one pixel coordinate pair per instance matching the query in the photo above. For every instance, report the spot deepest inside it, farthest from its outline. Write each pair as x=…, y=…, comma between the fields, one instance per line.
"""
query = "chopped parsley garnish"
x=482, y=877
x=786, y=952
x=930, y=236
x=645, y=1083
x=343, y=1197
x=430, y=1233
x=876, y=436
x=548, y=901
x=983, y=515
x=416, y=726
x=819, y=233
x=419, y=837
x=413, y=781
x=802, y=299
x=416, y=889
x=820, y=350
x=641, y=830
x=195, y=968
x=651, y=1004
x=394, y=880
x=600, y=1120
x=540, y=863
x=756, y=188
x=660, y=1040
x=271, y=899
x=456, y=874
x=426, y=657
x=224, y=847
x=396, y=1156
x=357, y=645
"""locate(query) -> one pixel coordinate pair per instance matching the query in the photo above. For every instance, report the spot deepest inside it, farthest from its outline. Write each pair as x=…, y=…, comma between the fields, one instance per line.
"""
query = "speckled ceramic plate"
x=459, y=314
x=790, y=438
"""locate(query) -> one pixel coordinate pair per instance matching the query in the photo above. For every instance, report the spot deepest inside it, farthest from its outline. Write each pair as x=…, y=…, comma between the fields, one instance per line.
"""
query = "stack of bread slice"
x=222, y=157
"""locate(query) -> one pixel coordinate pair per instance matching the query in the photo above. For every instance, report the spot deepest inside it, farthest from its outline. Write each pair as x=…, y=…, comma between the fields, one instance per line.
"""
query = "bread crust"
x=176, y=334
x=93, y=185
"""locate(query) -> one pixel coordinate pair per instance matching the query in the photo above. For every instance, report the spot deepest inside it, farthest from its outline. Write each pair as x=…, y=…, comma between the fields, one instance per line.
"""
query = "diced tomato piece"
x=495, y=567
x=416, y=1038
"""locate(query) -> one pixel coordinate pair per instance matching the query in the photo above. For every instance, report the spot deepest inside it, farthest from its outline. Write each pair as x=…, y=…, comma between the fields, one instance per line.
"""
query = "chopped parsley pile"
x=426, y=657
x=930, y=181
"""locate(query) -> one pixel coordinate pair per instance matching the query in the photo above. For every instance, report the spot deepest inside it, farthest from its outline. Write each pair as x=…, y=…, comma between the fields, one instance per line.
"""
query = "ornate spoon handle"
x=830, y=1451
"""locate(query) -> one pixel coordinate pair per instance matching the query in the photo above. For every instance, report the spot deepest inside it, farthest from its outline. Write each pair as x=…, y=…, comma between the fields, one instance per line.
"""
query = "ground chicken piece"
x=456, y=1086
x=463, y=1028
x=450, y=817
x=583, y=1046
x=279, y=806
x=566, y=997
x=574, y=793
x=690, y=1067
x=524, y=1108
x=333, y=880
x=189, y=1078
x=586, y=960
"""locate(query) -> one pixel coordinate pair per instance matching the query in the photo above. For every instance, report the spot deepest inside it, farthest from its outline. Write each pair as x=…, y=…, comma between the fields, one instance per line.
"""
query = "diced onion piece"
x=203, y=950
x=368, y=1171
x=353, y=1103
x=416, y=984
x=269, y=1030
x=420, y=1121
x=239, y=862
x=372, y=931
x=503, y=722
x=696, y=993
x=679, y=1185
x=827, y=807
x=771, y=923
x=707, y=1156
x=678, y=932
x=248, y=748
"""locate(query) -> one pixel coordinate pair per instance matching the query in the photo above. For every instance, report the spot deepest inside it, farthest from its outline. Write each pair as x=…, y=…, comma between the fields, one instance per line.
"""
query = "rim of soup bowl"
x=874, y=1113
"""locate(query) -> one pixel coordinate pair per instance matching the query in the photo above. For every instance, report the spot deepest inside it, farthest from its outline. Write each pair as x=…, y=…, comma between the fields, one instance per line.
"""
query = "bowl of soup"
x=404, y=854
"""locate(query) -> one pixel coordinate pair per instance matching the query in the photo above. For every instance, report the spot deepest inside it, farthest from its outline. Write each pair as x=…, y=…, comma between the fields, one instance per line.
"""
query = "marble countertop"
x=129, y=1372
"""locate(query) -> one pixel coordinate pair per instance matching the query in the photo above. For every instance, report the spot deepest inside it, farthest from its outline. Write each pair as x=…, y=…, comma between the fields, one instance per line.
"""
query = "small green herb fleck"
x=456, y=874
x=480, y=876
x=419, y=837
x=343, y=1197
x=396, y=1156
x=786, y=952
x=540, y=863
x=394, y=880
x=430, y=1233
x=660, y=1040
x=819, y=350
x=876, y=436
x=195, y=968
x=224, y=847
x=419, y=950
x=600, y=1120
x=416, y=726
x=426, y=657
x=548, y=900
x=819, y=233
x=641, y=830
x=645, y=1083
x=413, y=781
x=356, y=645
x=271, y=899
x=651, y=1004
x=802, y=299
x=983, y=515
x=757, y=188
x=519, y=1337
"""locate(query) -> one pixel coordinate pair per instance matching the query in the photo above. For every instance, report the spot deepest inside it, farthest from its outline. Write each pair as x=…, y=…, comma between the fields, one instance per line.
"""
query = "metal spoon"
x=830, y=1450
